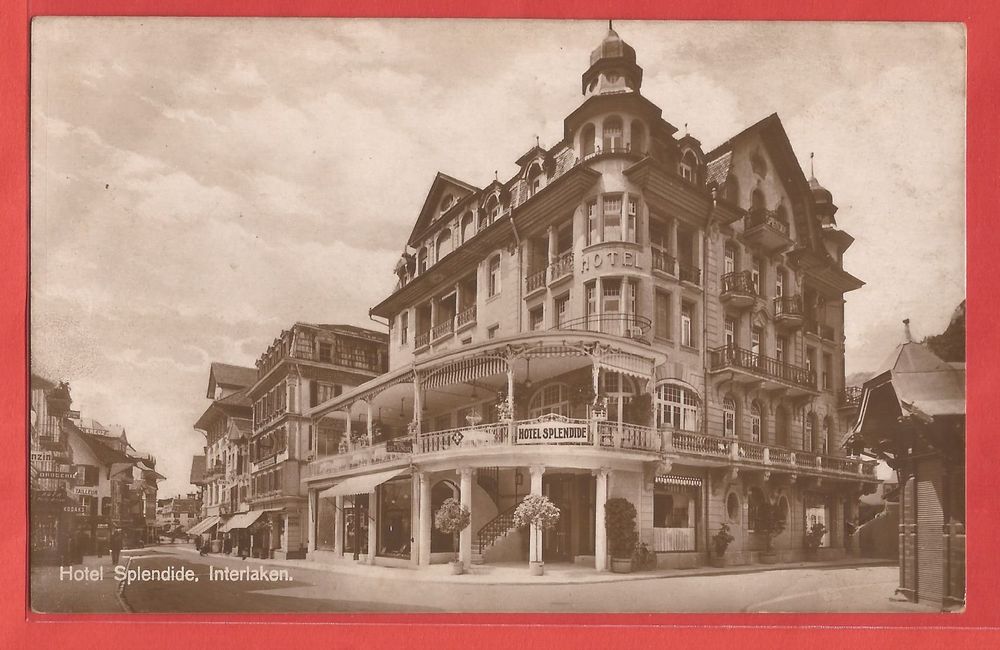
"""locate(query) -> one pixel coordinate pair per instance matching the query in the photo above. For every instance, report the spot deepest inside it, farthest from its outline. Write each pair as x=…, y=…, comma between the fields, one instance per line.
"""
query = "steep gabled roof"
x=430, y=208
x=105, y=454
x=229, y=376
x=197, y=470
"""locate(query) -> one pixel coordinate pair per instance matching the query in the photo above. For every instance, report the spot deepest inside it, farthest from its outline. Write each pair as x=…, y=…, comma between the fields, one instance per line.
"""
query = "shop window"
x=325, y=519
x=729, y=417
x=553, y=398
x=676, y=407
x=394, y=512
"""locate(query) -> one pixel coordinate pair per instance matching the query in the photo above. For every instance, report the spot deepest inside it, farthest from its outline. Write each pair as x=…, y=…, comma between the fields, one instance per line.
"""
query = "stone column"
x=372, y=525
x=600, y=532
x=534, y=534
x=426, y=520
x=465, y=537
x=338, y=526
x=350, y=442
x=368, y=414
x=313, y=501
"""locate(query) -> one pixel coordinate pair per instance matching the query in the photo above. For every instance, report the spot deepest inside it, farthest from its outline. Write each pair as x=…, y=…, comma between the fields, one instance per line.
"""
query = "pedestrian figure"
x=116, y=545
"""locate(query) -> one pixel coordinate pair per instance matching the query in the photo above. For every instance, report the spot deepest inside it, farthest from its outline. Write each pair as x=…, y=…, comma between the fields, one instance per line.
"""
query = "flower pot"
x=457, y=567
x=718, y=561
x=769, y=557
x=536, y=568
x=621, y=565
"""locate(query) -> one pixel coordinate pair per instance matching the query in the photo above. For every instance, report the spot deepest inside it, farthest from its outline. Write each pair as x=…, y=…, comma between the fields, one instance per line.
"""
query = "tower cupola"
x=612, y=67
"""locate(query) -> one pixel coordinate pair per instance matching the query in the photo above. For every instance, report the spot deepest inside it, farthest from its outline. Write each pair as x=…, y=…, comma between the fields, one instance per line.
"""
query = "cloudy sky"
x=200, y=184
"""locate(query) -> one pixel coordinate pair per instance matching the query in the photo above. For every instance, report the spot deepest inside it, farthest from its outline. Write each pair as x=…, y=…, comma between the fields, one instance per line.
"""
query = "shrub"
x=452, y=517
x=721, y=540
x=619, y=520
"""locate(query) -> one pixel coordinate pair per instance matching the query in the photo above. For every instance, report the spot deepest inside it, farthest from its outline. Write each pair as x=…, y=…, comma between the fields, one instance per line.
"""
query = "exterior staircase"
x=494, y=529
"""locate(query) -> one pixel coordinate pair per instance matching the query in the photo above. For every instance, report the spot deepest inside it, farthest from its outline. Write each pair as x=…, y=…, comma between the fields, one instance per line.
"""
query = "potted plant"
x=720, y=542
x=643, y=558
x=770, y=523
x=452, y=518
x=814, y=538
x=505, y=410
x=538, y=512
x=599, y=408
x=619, y=521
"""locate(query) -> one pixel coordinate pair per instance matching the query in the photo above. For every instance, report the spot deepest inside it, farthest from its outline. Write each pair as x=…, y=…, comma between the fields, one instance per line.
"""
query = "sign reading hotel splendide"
x=551, y=433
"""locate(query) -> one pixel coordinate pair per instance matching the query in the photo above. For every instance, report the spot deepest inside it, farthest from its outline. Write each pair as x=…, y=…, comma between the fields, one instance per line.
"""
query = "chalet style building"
x=628, y=316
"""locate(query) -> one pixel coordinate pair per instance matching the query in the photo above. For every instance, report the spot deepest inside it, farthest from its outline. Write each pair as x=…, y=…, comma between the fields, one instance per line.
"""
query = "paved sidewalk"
x=56, y=591
x=517, y=573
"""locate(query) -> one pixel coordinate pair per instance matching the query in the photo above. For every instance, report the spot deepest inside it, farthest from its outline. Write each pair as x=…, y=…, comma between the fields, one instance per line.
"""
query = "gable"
x=445, y=193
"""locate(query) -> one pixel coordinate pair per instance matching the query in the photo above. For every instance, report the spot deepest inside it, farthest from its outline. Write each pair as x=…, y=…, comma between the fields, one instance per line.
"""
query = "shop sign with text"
x=552, y=433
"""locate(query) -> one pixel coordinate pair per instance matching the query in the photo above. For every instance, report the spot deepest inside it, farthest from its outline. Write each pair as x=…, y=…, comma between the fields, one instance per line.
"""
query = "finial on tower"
x=906, y=331
x=495, y=177
x=812, y=170
x=536, y=141
x=610, y=28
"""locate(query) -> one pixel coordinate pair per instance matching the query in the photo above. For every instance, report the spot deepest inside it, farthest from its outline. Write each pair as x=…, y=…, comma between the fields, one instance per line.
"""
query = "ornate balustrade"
x=731, y=356
x=443, y=329
x=535, y=281
x=663, y=261
x=561, y=266
x=466, y=316
x=688, y=273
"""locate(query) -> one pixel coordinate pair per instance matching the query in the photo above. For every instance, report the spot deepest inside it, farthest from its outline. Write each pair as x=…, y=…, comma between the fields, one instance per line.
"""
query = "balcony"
x=763, y=229
x=710, y=450
x=747, y=366
x=850, y=397
x=825, y=332
x=738, y=290
x=443, y=330
x=535, y=281
x=561, y=267
x=663, y=262
x=788, y=312
x=627, y=326
x=465, y=318
x=688, y=273
x=422, y=340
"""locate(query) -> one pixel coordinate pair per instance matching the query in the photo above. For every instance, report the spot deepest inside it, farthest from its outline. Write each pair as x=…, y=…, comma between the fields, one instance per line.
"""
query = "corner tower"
x=612, y=68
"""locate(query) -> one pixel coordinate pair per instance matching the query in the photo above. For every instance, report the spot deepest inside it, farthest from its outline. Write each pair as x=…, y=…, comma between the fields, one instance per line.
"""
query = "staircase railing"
x=496, y=528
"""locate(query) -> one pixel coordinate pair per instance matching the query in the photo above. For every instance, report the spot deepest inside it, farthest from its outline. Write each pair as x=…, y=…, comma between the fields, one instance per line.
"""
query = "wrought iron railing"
x=663, y=261
x=534, y=281
x=688, y=273
x=561, y=266
x=496, y=528
x=739, y=282
x=443, y=329
x=730, y=356
x=788, y=306
x=766, y=218
x=627, y=326
x=466, y=316
x=481, y=435
x=851, y=396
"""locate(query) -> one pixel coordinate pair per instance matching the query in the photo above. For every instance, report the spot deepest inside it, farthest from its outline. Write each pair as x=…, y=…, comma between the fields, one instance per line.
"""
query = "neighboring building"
x=628, y=316
x=305, y=366
x=177, y=513
x=913, y=417
x=224, y=476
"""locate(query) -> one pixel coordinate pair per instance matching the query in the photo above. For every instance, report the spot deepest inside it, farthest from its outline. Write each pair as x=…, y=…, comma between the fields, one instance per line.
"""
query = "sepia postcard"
x=576, y=316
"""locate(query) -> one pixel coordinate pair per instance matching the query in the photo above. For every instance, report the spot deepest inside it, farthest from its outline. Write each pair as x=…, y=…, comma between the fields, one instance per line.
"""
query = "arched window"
x=421, y=260
x=468, y=229
x=809, y=432
x=824, y=443
x=443, y=246
x=676, y=407
x=757, y=200
x=756, y=423
x=732, y=190
x=781, y=426
x=689, y=167
x=613, y=136
x=729, y=417
x=755, y=502
x=588, y=140
x=534, y=179
x=493, y=208
x=553, y=398
x=638, y=143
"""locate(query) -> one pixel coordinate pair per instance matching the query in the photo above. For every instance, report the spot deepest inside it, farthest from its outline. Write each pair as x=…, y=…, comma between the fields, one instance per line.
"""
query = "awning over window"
x=361, y=484
x=203, y=526
x=245, y=519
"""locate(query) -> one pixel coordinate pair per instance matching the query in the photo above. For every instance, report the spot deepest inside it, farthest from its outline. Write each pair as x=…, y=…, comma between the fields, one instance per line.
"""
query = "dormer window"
x=534, y=179
x=613, y=135
x=688, y=166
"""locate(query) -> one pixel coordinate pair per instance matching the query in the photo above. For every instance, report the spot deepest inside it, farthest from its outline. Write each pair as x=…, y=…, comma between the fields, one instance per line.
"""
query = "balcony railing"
x=561, y=266
x=767, y=218
x=731, y=356
x=818, y=329
x=739, y=282
x=422, y=339
x=535, y=281
x=851, y=396
x=788, y=306
x=627, y=326
x=466, y=317
x=442, y=330
x=663, y=261
x=688, y=273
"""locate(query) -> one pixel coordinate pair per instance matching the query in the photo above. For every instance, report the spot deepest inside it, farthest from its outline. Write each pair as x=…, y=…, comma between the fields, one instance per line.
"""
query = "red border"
x=975, y=628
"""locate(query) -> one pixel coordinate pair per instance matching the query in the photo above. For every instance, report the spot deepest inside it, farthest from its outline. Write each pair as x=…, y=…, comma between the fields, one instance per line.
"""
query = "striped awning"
x=671, y=480
x=628, y=364
x=463, y=371
x=203, y=526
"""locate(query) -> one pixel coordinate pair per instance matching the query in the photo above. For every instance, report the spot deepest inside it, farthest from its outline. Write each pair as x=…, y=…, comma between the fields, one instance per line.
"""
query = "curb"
x=416, y=576
x=120, y=590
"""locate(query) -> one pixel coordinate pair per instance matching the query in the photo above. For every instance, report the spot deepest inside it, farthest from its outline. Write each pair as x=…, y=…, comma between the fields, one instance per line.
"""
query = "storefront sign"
x=77, y=509
x=56, y=475
x=552, y=433
x=84, y=491
x=611, y=259
x=42, y=456
x=399, y=446
x=267, y=462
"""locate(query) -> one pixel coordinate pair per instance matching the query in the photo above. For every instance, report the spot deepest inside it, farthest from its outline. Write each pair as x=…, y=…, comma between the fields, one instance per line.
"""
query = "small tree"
x=540, y=513
x=814, y=536
x=721, y=540
x=770, y=522
x=619, y=520
x=452, y=517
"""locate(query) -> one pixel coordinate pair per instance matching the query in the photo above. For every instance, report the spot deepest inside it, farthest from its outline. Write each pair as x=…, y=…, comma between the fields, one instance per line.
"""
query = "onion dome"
x=821, y=195
x=612, y=67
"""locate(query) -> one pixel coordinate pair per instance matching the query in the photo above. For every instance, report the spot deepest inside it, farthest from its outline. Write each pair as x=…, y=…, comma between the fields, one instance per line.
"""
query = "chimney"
x=906, y=331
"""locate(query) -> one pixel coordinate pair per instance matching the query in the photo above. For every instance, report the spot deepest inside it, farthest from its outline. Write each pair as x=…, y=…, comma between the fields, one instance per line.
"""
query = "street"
x=184, y=585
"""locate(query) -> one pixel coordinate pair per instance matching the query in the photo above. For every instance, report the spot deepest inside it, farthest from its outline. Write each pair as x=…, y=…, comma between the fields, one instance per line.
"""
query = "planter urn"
x=536, y=568
x=621, y=565
x=457, y=567
x=718, y=561
x=769, y=557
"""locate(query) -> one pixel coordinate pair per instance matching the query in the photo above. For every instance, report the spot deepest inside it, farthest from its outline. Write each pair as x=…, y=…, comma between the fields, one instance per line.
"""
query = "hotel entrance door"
x=574, y=495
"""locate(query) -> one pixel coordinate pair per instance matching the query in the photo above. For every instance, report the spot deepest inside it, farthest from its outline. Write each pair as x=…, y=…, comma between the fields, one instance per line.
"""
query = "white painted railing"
x=673, y=539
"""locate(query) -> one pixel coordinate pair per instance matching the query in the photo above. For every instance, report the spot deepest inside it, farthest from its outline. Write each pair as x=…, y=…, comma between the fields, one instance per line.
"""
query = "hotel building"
x=628, y=316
